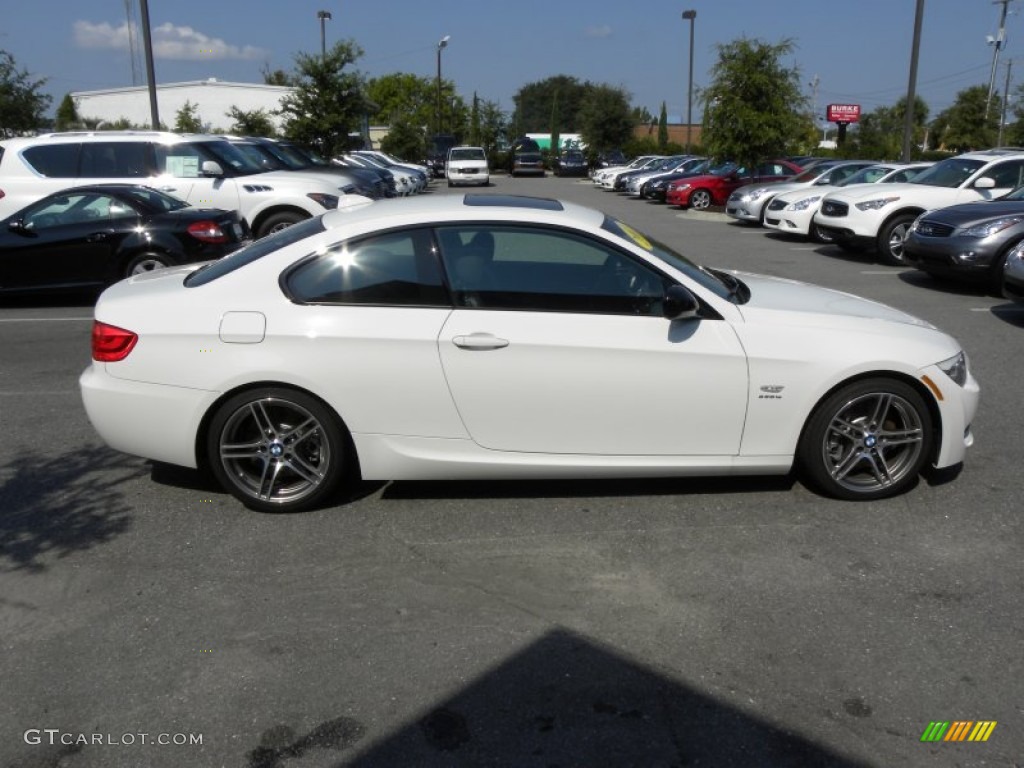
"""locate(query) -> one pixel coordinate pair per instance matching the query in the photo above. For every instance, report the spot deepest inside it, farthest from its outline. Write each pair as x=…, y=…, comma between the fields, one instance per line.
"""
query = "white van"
x=467, y=165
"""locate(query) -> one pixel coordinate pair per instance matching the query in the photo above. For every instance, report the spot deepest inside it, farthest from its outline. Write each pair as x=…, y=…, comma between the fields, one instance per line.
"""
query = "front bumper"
x=971, y=258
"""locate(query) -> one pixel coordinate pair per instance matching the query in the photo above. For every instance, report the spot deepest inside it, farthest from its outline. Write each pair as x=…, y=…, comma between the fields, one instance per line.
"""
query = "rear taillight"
x=207, y=232
x=110, y=343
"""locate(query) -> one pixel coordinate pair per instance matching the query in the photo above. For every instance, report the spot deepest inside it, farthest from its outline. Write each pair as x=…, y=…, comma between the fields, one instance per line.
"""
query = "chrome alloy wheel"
x=873, y=441
x=274, y=451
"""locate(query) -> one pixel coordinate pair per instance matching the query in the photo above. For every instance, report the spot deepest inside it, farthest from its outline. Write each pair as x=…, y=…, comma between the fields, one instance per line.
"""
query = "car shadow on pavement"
x=568, y=700
x=924, y=281
x=84, y=298
x=560, y=489
x=54, y=506
x=1010, y=313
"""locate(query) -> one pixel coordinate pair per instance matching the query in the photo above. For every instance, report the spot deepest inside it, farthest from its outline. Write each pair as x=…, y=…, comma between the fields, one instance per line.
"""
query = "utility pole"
x=1006, y=97
x=908, y=118
x=814, y=103
x=997, y=44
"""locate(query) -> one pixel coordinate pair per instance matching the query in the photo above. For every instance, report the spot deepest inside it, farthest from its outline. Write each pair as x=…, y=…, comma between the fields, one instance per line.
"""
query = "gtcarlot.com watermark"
x=55, y=736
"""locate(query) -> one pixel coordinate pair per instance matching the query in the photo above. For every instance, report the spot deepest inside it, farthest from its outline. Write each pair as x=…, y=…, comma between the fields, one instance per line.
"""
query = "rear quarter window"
x=55, y=161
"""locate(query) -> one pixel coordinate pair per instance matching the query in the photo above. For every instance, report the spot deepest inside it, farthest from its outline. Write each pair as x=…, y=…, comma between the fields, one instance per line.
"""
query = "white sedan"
x=487, y=336
x=793, y=212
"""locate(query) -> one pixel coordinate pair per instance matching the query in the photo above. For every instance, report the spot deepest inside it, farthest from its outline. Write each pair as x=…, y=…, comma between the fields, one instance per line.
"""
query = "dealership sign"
x=843, y=113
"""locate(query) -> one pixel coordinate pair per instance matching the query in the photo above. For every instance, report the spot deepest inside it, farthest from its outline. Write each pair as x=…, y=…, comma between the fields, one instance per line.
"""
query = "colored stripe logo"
x=958, y=730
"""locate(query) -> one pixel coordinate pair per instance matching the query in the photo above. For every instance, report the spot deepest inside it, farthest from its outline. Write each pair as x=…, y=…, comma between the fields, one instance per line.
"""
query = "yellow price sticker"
x=636, y=237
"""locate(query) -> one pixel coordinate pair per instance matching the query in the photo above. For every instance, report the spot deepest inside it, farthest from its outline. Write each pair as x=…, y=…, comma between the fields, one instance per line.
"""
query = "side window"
x=1008, y=175
x=546, y=270
x=53, y=212
x=55, y=161
x=115, y=160
x=182, y=161
x=398, y=268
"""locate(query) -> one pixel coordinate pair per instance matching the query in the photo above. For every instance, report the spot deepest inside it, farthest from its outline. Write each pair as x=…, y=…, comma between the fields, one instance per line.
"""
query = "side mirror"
x=212, y=168
x=985, y=182
x=16, y=226
x=679, y=304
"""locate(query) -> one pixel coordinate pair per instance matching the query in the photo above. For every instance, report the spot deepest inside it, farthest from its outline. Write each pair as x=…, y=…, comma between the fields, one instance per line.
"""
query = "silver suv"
x=206, y=171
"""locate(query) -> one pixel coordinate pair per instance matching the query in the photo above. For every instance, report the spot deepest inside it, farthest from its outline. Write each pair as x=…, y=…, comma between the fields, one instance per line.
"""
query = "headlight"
x=803, y=205
x=992, y=227
x=874, y=205
x=955, y=368
x=755, y=194
x=681, y=187
x=329, y=202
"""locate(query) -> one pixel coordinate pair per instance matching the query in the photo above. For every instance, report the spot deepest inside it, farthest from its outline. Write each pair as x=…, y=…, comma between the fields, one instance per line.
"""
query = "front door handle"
x=168, y=189
x=479, y=341
x=97, y=237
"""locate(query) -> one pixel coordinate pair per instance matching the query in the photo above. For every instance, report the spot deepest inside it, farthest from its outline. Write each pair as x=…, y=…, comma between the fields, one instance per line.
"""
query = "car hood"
x=867, y=191
x=969, y=213
x=794, y=301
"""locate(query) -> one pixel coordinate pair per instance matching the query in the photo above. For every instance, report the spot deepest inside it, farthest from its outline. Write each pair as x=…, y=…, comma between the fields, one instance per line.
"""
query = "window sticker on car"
x=635, y=236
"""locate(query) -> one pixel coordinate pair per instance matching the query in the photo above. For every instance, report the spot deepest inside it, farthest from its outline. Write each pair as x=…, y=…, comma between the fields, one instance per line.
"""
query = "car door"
x=181, y=169
x=557, y=344
x=62, y=240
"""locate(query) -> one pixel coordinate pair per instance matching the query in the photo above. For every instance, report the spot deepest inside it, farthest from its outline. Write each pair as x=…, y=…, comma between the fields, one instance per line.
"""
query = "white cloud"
x=169, y=42
x=602, y=31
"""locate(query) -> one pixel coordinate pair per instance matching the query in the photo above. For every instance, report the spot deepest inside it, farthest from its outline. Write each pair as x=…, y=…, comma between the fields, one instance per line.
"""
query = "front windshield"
x=675, y=260
x=868, y=175
x=229, y=156
x=951, y=172
x=813, y=174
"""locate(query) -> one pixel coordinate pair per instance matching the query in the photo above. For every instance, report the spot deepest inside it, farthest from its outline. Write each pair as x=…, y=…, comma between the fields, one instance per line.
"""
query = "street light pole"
x=690, y=16
x=323, y=16
x=442, y=43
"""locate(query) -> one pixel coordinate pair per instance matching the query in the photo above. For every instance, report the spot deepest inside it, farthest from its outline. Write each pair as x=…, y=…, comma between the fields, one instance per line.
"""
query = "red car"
x=714, y=188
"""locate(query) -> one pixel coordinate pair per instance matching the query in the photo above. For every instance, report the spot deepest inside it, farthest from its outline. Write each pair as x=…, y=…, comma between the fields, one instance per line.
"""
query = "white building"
x=213, y=99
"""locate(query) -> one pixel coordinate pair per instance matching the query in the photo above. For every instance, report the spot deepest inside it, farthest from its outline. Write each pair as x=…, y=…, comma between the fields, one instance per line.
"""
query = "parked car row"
x=958, y=219
x=87, y=208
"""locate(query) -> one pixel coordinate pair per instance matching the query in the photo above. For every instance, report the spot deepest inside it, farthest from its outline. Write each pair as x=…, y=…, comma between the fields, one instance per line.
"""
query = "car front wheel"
x=868, y=440
x=278, y=221
x=891, y=240
x=277, y=450
x=700, y=200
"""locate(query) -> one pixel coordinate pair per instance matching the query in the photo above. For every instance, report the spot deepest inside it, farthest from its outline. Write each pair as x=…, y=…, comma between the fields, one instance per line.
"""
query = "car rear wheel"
x=700, y=199
x=868, y=440
x=147, y=262
x=891, y=239
x=277, y=450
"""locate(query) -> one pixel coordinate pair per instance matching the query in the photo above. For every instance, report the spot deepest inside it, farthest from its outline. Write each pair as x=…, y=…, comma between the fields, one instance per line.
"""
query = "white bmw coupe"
x=490, y=336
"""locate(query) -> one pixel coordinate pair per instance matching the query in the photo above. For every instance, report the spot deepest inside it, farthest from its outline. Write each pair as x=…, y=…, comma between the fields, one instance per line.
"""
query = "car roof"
x=465, y=207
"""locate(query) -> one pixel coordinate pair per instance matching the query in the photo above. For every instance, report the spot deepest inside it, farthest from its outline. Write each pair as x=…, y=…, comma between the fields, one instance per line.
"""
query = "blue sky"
x=859, y=49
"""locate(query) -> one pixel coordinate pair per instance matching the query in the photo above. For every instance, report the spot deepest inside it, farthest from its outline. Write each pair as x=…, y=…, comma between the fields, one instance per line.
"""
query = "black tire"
x=277, y=450
x=819, y=235
x=891, y=237
x=763, y=213
x=147, y=262
x=868, y=440
x=278, y=221
x=450, y=185
x=700, y=199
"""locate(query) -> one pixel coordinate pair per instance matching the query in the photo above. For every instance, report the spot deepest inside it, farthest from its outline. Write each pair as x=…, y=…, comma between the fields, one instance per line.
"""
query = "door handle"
x=479, y=341
x=97, y=237
x=168, y=189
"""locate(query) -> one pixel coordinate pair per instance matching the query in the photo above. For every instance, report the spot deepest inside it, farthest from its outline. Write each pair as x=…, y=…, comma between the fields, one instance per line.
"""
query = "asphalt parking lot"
x=727, y=622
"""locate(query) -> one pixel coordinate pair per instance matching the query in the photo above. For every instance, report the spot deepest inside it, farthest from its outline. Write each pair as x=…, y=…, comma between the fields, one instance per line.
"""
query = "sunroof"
x=514, y=201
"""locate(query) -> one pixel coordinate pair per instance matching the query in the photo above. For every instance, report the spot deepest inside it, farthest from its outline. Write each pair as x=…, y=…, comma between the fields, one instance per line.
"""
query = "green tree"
x=187, y=120
x=255, y=122
x=401, y=96
x=276, y=76
x=534, y=104
x=493, y=126
x=328, y=102
x=663, y=129
x=405, y=139
x=605, y=118
x=474, y=122
x=21, y=103
x=963, y=125
x=67, y=117
x=879, y=134
x=753, y=106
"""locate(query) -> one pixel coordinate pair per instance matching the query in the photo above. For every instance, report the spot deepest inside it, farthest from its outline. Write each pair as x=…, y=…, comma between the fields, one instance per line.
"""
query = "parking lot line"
x=41, y=319
x=1000, y=307
x=887, y=271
